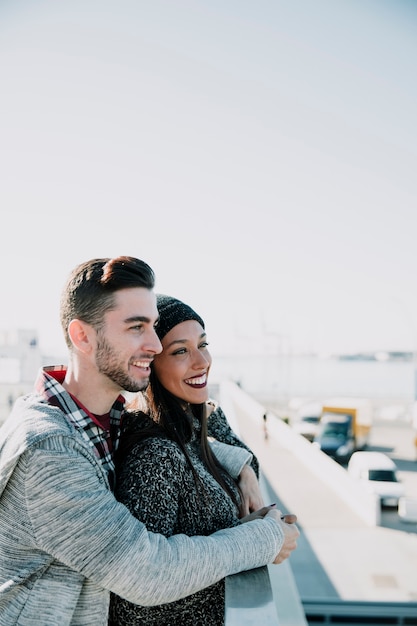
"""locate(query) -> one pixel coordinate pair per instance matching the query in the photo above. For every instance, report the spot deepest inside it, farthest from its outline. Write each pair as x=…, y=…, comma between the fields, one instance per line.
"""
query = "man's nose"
x=153, y=344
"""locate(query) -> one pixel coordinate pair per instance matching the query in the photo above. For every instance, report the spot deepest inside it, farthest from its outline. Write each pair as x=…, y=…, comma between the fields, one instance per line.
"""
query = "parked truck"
x=344, y=427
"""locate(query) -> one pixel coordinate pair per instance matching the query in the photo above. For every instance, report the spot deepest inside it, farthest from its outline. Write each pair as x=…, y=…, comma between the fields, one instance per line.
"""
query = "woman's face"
x=184, y=363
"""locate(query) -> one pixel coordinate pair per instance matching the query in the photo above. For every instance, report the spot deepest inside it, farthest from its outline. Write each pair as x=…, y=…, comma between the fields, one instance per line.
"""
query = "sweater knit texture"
x=66, y=543
x=157, y=485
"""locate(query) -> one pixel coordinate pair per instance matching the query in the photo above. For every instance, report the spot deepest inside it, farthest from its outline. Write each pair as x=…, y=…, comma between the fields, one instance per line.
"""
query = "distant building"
x=20, y=360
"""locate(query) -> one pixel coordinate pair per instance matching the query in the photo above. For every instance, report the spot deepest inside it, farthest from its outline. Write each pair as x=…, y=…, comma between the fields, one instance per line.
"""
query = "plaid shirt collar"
x=49, y=386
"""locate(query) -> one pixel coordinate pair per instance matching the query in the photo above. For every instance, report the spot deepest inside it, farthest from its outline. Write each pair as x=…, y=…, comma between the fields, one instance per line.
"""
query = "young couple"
x=66, y=542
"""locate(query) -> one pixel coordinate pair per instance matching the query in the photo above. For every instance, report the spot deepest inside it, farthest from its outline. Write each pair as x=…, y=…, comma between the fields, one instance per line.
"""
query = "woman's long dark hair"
x=170, y=419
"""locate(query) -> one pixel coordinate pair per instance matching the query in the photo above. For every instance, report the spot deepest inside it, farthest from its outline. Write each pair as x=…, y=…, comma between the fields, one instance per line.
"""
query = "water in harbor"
x=288, y=376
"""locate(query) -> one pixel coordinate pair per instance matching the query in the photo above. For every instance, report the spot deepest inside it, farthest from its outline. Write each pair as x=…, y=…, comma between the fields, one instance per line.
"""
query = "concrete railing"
x=366, y=505
x=267, y=595
x=249, y=599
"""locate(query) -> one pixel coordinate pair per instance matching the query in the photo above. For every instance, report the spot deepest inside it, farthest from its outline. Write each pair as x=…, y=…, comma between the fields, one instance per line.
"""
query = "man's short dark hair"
x=90, y=288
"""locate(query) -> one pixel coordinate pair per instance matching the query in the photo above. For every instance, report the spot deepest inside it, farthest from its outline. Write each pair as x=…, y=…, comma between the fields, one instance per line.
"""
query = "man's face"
x=127, y=343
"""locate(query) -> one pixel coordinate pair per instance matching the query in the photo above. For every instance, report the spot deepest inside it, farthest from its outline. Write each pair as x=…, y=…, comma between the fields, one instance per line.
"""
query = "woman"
x=168, y=440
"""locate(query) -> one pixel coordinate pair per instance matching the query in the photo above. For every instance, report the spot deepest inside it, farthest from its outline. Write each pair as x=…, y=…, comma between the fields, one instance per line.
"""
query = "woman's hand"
x=287, y=518
x=250, y=490
x=259, y=514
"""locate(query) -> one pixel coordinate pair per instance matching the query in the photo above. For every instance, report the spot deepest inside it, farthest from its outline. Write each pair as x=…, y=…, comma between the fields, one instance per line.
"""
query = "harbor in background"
x=282, y=381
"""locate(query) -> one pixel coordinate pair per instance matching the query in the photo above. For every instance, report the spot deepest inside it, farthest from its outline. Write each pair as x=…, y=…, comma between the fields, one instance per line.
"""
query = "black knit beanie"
x=173, y=312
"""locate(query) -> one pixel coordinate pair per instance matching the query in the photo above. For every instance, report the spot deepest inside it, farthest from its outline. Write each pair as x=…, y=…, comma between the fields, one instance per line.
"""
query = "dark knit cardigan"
x=156, y=484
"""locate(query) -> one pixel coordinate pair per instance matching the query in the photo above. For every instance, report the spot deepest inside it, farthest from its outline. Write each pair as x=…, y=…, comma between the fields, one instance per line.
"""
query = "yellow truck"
x=344, y=427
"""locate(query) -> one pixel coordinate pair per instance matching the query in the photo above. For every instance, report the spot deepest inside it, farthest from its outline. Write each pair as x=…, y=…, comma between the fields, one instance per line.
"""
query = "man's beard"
x=108, y=364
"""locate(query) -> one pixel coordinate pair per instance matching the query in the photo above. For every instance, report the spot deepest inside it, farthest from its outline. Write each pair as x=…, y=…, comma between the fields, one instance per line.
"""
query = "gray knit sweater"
x=65, y=542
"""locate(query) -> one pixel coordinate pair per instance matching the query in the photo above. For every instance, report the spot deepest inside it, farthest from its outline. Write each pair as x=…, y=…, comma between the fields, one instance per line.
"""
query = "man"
x=65, y=542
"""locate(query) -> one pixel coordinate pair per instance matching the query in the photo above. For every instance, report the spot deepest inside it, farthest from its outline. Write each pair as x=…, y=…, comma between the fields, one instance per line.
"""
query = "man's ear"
x=81, y=335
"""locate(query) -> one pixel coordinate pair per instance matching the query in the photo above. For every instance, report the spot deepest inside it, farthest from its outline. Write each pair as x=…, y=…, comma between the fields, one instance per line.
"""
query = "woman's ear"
x=81, y=335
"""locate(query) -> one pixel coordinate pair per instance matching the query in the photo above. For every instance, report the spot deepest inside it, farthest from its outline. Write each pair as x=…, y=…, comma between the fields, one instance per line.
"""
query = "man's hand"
x=251, y=493
x=290, y=530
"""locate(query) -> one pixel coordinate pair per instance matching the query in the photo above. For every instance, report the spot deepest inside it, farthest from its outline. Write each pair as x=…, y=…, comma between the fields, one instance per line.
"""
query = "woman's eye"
x=180, y=351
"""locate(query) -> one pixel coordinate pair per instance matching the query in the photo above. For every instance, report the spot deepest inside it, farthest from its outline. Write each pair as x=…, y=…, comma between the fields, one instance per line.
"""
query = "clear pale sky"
x=260, y=156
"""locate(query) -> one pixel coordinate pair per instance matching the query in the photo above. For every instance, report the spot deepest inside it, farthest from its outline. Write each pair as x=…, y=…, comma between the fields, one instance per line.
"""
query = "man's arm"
x=236, y=461
x=244, y=468
x=232, y=458
x=219, y=428
x=76, y=519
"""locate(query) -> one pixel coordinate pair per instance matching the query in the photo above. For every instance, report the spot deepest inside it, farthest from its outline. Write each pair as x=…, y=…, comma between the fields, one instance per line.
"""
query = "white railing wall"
x=266, y=595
